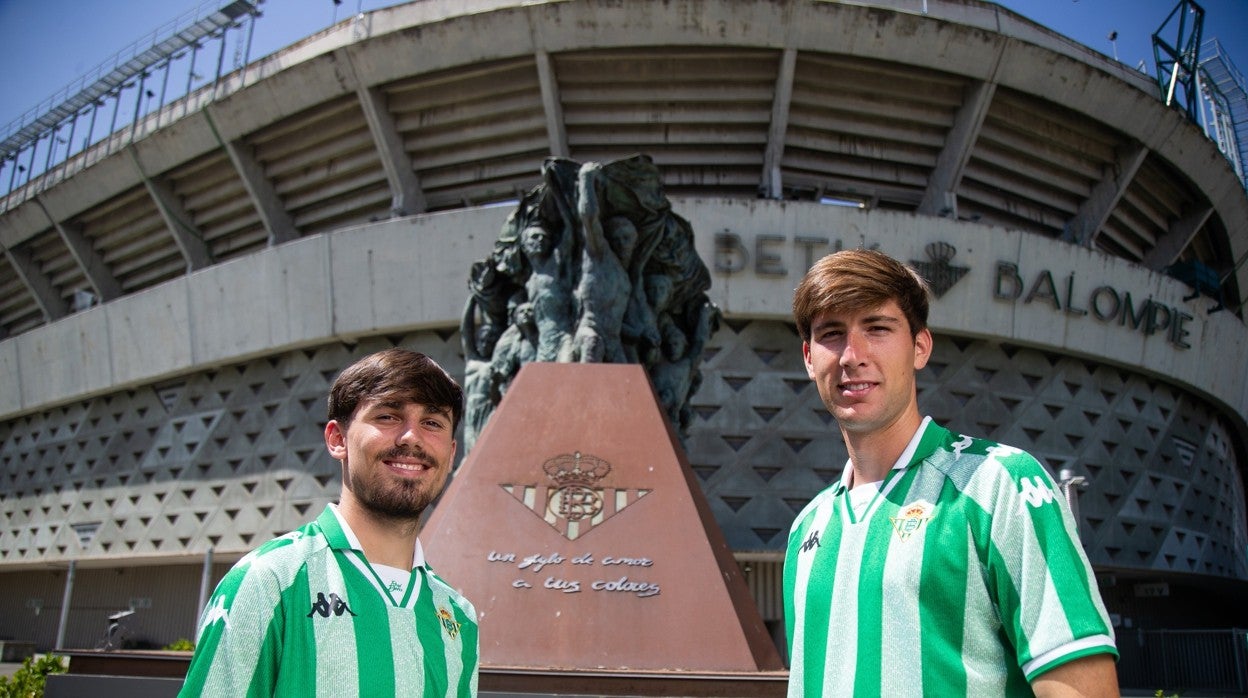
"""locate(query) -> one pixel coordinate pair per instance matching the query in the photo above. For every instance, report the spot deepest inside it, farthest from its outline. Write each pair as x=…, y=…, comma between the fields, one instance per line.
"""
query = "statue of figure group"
x=592, y=267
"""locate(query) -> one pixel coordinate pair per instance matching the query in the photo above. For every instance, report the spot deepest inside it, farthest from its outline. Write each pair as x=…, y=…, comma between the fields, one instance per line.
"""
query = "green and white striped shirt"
x=963, y=575
x=307, y=615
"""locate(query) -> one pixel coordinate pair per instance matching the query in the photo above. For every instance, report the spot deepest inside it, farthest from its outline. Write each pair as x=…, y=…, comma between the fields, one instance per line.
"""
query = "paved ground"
x=7, y=669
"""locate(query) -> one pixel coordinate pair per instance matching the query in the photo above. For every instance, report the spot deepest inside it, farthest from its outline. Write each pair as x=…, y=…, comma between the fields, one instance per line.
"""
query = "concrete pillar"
x=65, y=601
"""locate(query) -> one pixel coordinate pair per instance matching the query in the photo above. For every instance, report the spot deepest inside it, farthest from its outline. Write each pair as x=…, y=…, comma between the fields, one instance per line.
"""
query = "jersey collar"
x=341, y=537
x=921, y=445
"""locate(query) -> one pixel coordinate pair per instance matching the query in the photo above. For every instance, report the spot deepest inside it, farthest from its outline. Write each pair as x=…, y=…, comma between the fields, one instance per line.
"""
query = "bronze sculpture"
x=592, y=266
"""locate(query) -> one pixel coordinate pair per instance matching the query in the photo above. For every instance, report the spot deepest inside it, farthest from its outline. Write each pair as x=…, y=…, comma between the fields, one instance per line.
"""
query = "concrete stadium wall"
x=411, y=274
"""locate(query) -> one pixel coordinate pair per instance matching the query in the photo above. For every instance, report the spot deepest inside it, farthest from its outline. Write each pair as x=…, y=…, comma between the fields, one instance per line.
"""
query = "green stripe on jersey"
x=808, y=636
x=946, y=585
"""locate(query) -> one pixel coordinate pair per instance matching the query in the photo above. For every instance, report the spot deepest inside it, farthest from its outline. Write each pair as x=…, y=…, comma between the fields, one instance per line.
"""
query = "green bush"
x=28, y=681
x=181, y=645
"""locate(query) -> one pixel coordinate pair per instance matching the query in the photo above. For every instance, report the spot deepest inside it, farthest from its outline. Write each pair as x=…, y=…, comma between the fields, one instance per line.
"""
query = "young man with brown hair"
x=347, y=605
x=939, y=564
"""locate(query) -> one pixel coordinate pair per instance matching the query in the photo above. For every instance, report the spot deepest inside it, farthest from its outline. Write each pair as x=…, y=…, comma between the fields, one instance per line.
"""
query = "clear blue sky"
x=47, y=44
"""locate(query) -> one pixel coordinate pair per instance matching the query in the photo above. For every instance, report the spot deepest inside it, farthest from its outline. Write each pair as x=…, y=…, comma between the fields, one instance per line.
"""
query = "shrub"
x=29, y=680
x=181, y=645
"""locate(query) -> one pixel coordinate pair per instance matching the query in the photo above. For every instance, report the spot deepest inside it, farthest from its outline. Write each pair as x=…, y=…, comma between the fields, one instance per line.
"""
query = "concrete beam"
x=276, y=220
x=552, y=105
x=89, y=261
x=186, y=236
x=407, y=196
x=1095, y=210
x=1172, y=244
x=941, y=197
x=190, y=240
x=40, y=286
x=773, y=182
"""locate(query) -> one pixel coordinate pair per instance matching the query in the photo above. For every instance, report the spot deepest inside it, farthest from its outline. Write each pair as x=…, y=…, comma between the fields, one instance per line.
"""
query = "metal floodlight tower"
x=1226, y=95
x=1177, y=63
x=128, y=69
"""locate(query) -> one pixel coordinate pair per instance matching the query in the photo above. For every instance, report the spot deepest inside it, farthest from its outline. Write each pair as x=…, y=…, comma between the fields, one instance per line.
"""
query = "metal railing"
x=1184, y=660
x=1225, y=113
x=68, y=122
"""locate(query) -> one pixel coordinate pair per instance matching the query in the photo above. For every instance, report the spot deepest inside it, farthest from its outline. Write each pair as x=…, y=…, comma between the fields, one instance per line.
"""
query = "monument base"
x=579, y=532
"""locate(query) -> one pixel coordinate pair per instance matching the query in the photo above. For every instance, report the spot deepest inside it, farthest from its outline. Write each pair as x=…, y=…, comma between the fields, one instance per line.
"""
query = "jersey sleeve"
x=1035, y=567
x=238, y=643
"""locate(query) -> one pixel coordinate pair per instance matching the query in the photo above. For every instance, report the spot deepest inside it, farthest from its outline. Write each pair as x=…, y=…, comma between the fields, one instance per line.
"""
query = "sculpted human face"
x=524, y=314
x=396, y=456
x=864, y=363
x=536, y=242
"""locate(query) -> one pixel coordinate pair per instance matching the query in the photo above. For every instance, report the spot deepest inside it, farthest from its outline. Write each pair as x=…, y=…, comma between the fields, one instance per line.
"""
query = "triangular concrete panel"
x=578, y=530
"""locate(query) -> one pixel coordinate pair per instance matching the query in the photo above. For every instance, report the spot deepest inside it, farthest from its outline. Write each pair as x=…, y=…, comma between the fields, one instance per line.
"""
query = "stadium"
x=176, y=296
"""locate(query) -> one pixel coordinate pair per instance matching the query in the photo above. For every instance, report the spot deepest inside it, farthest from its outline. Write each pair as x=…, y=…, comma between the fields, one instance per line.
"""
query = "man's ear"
x=922, y=348
x=810, y=368
x=335, y=440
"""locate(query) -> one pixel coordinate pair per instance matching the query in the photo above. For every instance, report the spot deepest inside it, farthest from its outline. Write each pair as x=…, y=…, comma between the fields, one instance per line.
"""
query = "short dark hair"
x=395, y=373
x=858, y=279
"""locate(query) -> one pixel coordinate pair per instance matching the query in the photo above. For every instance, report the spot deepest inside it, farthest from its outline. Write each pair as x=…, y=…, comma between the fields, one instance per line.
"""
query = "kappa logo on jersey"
x=325, y=606
x=217, y=612
x=911, y=519
x=449, y=624
x=1036, y=492
x=811, y=542
x=961, y=445
x=999, y=451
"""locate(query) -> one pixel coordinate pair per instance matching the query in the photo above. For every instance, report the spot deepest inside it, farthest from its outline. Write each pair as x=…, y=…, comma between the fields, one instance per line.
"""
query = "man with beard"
x=347, y=605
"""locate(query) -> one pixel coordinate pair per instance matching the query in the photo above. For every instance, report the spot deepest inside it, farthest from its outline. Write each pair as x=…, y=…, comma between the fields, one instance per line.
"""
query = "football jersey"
x=306, y=615
x=962, y=575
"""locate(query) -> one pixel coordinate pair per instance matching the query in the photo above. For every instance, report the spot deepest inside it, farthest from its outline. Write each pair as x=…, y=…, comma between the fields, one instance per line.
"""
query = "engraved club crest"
x=576, y=500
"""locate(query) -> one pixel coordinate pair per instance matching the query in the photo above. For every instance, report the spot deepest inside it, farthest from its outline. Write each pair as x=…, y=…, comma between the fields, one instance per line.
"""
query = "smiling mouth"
x=855, y=387
x=408, y=467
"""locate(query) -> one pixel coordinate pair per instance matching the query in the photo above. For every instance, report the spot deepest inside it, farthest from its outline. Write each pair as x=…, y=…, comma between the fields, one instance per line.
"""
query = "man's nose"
x=411, y=432
x=855, y=348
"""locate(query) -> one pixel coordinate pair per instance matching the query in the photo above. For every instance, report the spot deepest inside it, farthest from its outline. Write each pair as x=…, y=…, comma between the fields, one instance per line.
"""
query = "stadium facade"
x=240, y=246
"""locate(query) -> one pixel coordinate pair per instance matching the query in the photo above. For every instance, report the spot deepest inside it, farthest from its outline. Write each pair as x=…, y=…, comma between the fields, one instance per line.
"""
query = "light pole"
x=1068, y=481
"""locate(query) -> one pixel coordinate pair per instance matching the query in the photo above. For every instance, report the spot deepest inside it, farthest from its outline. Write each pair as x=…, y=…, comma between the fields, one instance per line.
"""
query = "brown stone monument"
x=578, y=530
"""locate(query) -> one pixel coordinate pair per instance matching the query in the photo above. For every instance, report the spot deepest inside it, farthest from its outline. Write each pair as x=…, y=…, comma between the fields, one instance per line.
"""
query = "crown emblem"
x=940, y=251
x=571, y=469
x=939, y=273
x=912, y=518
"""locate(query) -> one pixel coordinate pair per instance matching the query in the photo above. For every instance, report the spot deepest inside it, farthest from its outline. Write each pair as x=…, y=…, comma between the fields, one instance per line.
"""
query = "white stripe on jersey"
x=801, y=582
x=337, y=670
